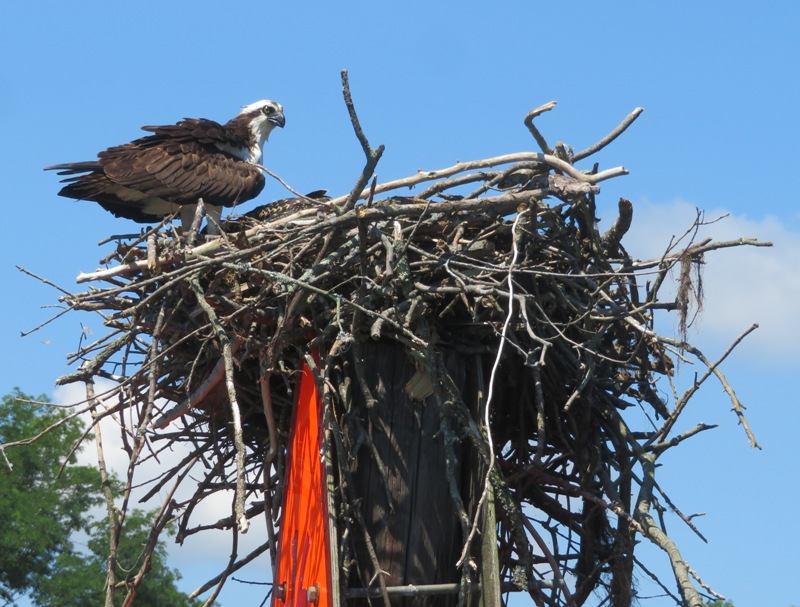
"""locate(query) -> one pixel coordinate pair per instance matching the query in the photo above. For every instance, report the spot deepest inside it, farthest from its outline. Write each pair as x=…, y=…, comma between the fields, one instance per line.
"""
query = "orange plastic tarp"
x=303, y=575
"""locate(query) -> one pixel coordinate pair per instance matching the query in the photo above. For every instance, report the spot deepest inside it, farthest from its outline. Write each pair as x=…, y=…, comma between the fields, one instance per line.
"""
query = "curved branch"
x=534, y=131
x=610, y=137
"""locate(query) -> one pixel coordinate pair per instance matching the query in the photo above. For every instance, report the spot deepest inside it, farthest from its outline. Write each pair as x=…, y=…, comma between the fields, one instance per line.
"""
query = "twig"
x=461, y=167
x=228, y=570
x=690, y=596
x=238, y=441
x=711, y=367
x=111, y=512
x=199, y=395
x=534, y=131
x=373, y=156
x=610, y=137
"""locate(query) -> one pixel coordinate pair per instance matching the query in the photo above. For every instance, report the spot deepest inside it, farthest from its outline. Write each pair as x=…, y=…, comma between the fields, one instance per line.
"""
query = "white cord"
x=487, y=481
x=490, y=391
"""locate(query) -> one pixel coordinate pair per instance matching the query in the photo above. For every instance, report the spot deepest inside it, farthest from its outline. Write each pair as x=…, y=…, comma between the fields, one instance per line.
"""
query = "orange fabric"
x=304, y=548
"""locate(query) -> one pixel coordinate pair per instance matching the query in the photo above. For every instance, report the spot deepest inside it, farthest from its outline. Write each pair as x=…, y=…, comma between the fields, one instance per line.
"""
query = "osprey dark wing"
x=177, y=165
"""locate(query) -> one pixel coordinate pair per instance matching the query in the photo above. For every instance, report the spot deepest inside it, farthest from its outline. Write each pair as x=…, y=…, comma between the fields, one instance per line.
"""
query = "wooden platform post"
x=401, y=476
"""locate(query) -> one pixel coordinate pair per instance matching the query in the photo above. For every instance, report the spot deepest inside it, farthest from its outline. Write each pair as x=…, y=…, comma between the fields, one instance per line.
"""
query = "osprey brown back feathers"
x=177, y=165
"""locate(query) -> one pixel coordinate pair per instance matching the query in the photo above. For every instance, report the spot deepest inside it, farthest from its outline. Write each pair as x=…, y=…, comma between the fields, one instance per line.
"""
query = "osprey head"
x=260, y=118
x=263, y=116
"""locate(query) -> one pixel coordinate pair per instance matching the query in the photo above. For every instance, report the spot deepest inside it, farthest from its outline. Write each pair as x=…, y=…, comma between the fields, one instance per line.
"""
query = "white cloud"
x=742, y=285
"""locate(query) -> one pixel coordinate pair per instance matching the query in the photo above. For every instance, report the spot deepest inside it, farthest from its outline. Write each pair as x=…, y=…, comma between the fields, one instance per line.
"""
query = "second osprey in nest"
x=176, y=166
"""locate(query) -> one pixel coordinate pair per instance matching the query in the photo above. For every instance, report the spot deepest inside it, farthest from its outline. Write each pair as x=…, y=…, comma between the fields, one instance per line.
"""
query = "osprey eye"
x=267, y=109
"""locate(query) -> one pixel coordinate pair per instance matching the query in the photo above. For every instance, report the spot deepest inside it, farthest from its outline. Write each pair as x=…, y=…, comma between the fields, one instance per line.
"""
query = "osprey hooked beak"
x=276, y=117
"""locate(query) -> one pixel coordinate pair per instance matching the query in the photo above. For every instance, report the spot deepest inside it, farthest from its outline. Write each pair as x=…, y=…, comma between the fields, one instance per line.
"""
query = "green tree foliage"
x=45, y=508
x=79, y=578
x=41, y=505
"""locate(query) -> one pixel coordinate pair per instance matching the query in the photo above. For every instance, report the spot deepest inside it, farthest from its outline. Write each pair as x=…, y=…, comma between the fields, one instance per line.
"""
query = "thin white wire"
x=490, y=391
x=509, y=316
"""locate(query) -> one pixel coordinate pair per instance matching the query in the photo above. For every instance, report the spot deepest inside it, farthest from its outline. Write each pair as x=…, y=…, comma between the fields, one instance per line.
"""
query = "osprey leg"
x=192, y=217
x=213, y=216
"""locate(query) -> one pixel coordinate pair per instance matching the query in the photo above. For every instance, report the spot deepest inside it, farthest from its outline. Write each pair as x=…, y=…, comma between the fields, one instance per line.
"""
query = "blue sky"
x=436, y=83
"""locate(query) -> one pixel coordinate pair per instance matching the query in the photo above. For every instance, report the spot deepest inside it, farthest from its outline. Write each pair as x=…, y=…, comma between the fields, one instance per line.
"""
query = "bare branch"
x=373, y=156
x=546, y=149
x=610, y=137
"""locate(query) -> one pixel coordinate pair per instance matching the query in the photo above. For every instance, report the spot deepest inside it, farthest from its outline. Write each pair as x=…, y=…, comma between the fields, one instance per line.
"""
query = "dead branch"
x=592, y=149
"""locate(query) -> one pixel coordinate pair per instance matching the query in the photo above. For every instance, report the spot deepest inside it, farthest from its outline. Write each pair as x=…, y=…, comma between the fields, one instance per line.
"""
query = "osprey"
x=172, y=169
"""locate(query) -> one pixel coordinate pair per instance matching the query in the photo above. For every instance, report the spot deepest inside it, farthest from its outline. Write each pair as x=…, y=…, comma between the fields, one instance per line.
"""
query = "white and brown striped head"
x=253, y=124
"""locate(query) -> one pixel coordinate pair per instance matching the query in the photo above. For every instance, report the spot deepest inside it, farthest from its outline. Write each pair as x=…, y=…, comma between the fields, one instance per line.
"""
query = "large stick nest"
x=500, y=258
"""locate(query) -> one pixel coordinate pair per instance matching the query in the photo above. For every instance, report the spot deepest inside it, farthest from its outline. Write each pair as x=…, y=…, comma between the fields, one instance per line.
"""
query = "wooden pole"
x=402, y=480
